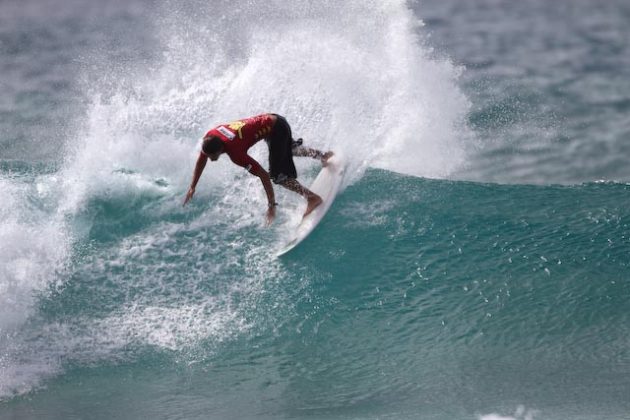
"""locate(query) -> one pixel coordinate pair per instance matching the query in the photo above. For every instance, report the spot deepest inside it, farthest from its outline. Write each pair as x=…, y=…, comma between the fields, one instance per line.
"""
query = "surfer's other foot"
x=313, y=202
x=325, y=158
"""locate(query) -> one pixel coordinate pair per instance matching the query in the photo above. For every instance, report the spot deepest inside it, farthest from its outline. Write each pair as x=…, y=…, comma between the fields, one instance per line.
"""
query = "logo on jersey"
x=227, y=133
x=236, y=126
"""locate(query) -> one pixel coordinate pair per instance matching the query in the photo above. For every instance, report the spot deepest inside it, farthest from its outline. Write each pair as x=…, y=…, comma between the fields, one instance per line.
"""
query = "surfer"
x=235, y=139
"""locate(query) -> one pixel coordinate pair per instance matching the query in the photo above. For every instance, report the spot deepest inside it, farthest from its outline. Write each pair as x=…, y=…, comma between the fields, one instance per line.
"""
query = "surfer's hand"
x=271, y=214
x=325, y=158
x=189, y=195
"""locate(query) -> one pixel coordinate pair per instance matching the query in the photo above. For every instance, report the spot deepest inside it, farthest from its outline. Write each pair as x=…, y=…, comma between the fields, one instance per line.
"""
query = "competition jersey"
x=239, y=136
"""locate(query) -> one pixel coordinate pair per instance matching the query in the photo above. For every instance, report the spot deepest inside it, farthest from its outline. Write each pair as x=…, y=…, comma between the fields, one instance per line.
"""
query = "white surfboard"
x=326, y=185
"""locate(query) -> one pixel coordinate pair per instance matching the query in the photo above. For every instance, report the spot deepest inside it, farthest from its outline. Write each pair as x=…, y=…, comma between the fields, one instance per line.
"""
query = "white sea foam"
x=352, y=76
x=34, y=245
x=521, y=413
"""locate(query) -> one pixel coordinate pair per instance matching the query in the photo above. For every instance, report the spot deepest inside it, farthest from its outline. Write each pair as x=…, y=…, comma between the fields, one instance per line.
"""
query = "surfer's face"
x=214, y=156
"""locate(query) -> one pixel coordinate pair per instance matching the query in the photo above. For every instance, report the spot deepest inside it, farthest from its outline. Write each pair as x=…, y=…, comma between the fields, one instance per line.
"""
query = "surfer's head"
x=212, y=147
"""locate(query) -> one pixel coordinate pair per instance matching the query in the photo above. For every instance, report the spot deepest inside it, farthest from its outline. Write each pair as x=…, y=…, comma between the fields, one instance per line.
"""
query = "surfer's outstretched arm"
x=199, y=166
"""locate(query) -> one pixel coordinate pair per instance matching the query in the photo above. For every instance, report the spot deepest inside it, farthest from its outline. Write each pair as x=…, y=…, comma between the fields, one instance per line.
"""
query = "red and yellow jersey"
x=239, y=136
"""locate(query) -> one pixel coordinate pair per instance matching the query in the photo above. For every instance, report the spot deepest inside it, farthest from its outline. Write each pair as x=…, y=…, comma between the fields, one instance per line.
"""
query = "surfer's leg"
x=312, y=200
x=281, y=167
x=299, y=150
x=280, y=154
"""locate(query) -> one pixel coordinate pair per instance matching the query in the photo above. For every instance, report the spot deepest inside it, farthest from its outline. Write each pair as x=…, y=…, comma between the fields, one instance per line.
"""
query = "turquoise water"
x=474, y=265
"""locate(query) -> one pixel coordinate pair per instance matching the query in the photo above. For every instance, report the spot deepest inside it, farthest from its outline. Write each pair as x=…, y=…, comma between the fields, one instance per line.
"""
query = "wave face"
x=439, y=294
x=415, y=297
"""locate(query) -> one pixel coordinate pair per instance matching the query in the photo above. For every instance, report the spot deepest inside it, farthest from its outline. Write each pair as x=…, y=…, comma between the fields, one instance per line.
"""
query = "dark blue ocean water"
x=474, y=266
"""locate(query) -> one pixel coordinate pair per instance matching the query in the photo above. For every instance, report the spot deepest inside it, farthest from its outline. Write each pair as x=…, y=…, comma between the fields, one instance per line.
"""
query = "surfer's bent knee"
x=282, y=179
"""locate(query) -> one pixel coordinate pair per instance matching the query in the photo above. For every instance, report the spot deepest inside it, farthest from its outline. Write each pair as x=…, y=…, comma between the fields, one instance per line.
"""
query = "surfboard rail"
x=326, y=185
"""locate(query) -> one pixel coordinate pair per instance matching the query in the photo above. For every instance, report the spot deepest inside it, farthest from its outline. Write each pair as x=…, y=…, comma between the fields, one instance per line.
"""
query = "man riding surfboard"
x=236, y=138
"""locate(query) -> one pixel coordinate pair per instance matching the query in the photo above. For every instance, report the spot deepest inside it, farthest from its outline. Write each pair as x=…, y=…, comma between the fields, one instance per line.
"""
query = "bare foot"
x=325, y=158
x=313, y=202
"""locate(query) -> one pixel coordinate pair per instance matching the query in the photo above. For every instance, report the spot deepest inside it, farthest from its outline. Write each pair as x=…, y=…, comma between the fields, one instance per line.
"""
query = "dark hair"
x=211, y=145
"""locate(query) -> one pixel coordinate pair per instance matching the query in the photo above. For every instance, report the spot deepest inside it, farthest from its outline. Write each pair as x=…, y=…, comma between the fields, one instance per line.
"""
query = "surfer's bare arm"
x=199, y=166
x=271, y=198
